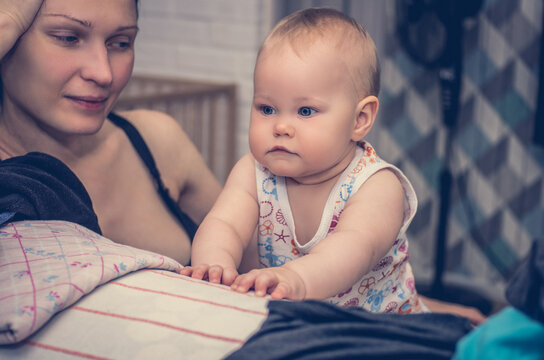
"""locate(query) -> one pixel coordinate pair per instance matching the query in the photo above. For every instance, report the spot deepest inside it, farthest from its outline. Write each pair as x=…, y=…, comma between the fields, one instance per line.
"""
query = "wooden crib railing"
x=205, y=110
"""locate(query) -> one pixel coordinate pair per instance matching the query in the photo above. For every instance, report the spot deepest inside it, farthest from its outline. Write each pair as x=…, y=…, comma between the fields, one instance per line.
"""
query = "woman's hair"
x=136, y=2
x=352, y=42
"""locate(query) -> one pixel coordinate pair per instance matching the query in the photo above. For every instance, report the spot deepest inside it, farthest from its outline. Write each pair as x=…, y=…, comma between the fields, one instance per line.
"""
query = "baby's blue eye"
x=268, y=110
x=306, y=111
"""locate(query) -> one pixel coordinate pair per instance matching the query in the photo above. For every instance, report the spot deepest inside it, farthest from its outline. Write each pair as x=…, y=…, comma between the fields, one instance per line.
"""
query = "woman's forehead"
x=88, y=8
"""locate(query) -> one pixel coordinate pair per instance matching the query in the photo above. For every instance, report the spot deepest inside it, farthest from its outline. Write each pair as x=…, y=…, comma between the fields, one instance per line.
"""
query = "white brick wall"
x=214, y=40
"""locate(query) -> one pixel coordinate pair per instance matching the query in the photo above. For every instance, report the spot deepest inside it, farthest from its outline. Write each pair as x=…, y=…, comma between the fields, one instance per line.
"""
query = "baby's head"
x=342, y=35
x=314, y=98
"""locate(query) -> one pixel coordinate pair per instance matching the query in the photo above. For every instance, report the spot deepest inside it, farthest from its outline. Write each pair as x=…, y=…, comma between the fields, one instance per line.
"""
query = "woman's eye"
x=306, y=111
x=120, y=44
x=267, y=110
x=67, y=39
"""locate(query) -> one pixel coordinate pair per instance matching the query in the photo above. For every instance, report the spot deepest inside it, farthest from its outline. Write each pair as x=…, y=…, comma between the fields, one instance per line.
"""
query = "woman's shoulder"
x=151, y=123
x=162, y=133
x=166, y=140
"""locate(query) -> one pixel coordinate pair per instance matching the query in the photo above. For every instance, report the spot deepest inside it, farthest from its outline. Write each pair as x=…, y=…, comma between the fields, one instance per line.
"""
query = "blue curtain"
x=497, y=193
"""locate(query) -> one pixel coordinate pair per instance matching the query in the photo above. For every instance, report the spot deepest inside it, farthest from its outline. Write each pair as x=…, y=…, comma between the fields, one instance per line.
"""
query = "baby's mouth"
x=280, y=149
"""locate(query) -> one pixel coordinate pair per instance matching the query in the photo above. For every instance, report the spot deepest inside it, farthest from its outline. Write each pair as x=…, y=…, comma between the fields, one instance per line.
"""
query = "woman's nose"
x=97, y=66
x=282, y=128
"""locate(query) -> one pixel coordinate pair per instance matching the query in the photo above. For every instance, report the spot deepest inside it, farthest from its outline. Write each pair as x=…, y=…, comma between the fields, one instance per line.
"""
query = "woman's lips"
x=88, y=102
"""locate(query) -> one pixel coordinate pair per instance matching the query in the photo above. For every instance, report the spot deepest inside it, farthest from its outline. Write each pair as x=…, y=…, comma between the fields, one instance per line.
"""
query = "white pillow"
x=46, y=266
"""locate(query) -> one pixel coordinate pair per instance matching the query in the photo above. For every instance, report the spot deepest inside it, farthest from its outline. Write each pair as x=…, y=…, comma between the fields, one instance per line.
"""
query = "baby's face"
x=304, y=112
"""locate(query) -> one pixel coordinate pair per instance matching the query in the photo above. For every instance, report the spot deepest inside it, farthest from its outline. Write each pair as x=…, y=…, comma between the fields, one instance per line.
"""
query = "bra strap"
x=145, y=154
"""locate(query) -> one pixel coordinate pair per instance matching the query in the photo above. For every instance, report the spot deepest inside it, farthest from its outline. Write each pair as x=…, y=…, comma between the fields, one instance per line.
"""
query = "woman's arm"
x=475, y=316
x=16, y=16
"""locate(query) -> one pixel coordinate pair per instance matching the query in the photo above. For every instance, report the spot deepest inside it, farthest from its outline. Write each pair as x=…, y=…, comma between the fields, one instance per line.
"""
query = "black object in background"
x=431, y=32
x=539, y=117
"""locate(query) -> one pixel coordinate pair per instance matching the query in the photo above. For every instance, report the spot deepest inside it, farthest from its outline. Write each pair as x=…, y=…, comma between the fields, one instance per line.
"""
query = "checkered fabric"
x=497, y=205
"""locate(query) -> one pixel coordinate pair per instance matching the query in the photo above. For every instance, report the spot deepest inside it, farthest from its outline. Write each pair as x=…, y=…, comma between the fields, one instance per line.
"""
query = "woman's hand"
x=21, y=12
x=213, y=273
x=279, y=282
x=473, y=314
x=16, y=16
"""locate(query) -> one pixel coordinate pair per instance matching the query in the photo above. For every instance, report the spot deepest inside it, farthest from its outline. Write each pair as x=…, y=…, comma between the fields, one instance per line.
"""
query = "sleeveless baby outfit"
x=389, y=287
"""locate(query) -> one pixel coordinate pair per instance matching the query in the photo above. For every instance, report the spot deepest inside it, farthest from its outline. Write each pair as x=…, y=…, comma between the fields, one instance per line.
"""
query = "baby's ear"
x=367, y=109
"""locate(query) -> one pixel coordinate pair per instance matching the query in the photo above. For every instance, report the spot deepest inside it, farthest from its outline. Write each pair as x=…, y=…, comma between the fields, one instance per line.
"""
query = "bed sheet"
x=68, y=292
x=148, y=314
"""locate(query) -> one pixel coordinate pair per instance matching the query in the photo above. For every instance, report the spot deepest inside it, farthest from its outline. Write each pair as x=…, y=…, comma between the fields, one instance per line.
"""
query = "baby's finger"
x=244, y=282
x=200, y=272
x=229, y=275
x=282, y=291
x=215, y=273
x=186, y=270
x=263, y=282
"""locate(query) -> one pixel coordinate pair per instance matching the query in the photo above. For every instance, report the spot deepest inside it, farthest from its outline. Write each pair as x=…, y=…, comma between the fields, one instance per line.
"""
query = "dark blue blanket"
x=316, y=330
x=37, y=186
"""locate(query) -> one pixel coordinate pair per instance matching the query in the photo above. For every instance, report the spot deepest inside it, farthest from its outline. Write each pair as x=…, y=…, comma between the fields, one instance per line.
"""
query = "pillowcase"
x=46, y=266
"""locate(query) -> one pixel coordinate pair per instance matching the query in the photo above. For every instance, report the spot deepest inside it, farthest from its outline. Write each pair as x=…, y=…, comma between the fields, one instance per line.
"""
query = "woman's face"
x=68, y=69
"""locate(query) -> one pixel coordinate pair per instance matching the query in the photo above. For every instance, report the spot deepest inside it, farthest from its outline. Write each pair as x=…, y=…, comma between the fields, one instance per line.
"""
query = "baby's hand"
x=213, y=273
x=280, y=282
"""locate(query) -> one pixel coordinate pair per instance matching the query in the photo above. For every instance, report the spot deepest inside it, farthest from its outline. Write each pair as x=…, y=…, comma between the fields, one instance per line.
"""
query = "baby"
x=330, y=216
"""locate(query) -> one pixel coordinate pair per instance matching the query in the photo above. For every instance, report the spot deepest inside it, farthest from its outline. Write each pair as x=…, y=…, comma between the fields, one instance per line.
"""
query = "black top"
x=38, y=186
x=146, y=156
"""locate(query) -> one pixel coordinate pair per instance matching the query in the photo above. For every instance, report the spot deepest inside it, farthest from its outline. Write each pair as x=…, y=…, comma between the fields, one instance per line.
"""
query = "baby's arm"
x=228, y=228
x=366, y=231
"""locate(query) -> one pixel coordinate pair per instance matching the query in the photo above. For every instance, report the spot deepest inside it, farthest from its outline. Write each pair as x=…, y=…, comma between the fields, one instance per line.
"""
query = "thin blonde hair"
x=352, y=41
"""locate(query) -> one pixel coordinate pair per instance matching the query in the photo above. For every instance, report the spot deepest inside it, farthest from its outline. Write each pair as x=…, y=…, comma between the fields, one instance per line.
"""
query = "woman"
x=64, y=64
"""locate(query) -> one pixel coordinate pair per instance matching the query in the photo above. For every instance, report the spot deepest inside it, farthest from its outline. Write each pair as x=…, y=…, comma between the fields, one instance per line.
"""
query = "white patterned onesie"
x=389, y=286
